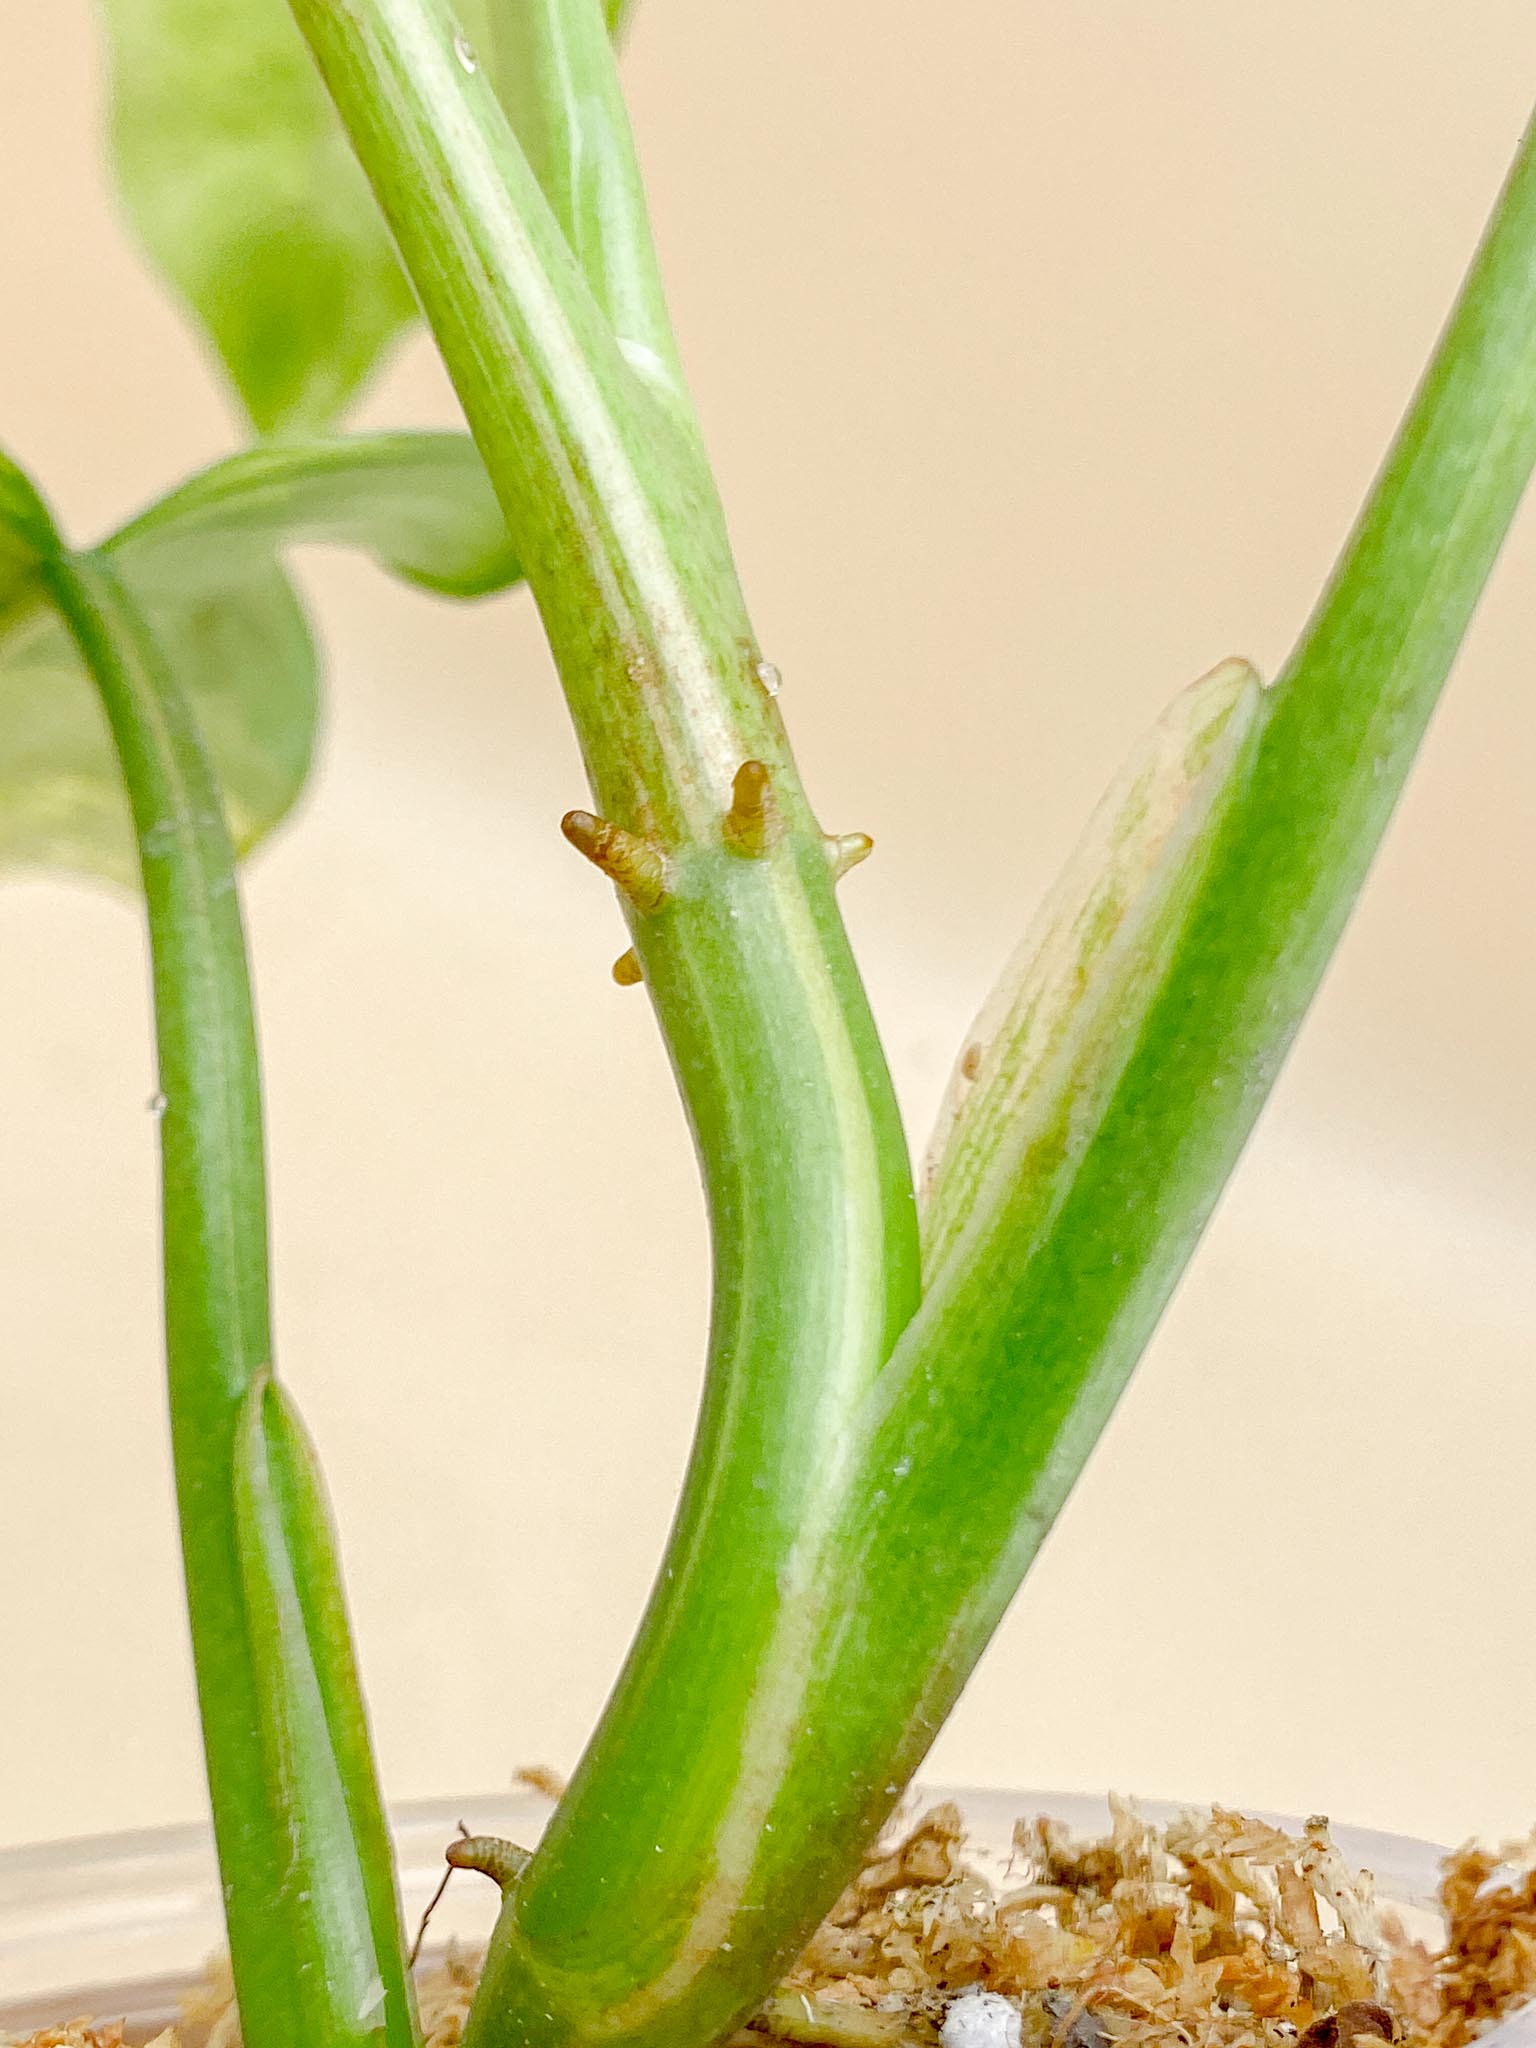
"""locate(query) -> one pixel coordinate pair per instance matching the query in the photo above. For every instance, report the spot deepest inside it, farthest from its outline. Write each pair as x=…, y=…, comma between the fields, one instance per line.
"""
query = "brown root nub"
x=631, y=863
x=846, y=849
x=502, y=1861
x=627, y=971
x=749, y=820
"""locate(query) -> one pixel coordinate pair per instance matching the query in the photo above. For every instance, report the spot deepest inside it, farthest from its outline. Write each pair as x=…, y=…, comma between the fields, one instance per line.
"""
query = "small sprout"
x=627, y=971
x=749, y=821
x=499, y=1860
x=631, y=863
x=846, y=849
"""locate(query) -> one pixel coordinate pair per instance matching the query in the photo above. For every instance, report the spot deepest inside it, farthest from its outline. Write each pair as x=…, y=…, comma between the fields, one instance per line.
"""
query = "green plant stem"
x=561, y=89
x=620, y=1923
x=219, y=1348
x=1000, y=1387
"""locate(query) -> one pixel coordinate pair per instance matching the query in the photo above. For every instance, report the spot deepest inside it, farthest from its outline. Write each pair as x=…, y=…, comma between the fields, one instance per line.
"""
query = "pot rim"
x=114, y=1923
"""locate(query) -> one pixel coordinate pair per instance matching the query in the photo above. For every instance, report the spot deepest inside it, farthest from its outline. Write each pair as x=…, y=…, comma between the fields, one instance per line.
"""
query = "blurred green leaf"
x=241, y=184
x=243, y=653
x=26, y=541
x=202, y=566
x=420, y=503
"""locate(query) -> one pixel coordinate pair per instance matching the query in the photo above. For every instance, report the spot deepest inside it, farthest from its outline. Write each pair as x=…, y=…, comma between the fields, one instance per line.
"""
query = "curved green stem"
x=639, y=1916
x=1000, y=1387
x=313, y=1932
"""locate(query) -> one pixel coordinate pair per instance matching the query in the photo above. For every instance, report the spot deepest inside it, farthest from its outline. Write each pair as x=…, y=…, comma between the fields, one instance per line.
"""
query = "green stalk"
x=1000, y=1387
x=555, y=78
x=726, y=881
x=308, y=1885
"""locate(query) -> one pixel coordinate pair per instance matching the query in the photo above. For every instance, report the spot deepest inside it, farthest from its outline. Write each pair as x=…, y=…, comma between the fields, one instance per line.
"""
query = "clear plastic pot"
x=118, y=1926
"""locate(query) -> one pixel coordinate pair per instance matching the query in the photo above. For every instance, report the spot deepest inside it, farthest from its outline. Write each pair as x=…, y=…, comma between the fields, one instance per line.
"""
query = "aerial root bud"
x=631, y=863
x=502, y=1861
x=749, y=820
x=627, y=971
x=846, y=849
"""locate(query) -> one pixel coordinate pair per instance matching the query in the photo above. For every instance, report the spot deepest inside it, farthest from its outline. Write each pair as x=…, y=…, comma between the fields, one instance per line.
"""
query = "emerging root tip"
x=749, y=820
x=631, y=863
x=627, y=971
x=502, y=1861
x=846, y=849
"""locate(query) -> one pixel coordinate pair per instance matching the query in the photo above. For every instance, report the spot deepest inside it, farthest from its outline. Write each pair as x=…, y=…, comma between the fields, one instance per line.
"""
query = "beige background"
x=1045, y=350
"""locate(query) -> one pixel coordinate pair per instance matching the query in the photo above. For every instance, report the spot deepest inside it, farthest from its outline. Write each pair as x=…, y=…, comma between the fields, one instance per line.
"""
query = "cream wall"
x=1045, y=351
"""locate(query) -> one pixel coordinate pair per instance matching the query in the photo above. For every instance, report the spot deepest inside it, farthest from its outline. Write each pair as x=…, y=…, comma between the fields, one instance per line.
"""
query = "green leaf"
x=419, y=503
x=244, y=653
x=241, y=185
x=1057, y=1030
x=313, y=1731
x=26, y=541
x=201, y=564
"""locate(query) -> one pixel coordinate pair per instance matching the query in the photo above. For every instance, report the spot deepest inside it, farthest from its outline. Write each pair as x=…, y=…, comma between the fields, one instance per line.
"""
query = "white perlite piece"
x=982, y=2019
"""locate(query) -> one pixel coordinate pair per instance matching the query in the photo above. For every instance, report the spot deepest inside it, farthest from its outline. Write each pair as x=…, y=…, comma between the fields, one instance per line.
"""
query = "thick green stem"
x=308, y=1885
x=628, y=1919
x=997, y=1392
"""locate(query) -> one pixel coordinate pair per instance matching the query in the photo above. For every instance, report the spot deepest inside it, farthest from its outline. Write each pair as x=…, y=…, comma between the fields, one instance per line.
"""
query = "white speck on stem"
x=158, y=1104
x=982, y=2019
x=463, y=49
x=770, y=678
x=901, y=1468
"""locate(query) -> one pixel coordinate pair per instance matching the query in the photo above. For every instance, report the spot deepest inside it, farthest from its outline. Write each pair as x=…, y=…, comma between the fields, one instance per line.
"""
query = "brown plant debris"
x=1488, y=1966
x=82, y=2033
x=541, y=1779
x=1216, y=1931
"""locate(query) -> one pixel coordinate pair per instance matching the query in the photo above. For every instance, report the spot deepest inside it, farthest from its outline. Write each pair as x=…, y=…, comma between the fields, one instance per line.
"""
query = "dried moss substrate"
x=1214, y=1931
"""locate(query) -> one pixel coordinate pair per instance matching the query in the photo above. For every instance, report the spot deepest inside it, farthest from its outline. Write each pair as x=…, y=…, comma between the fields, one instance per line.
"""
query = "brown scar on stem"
x=627, y=971
x=631, y=863
x=846, y=849
x=749, y=822
x=499, y=1860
